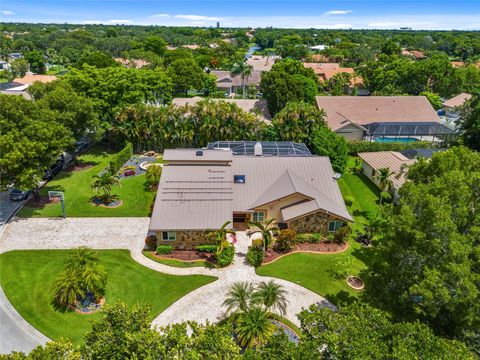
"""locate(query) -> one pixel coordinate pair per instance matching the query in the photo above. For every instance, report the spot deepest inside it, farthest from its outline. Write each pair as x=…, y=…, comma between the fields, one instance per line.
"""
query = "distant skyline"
x=333, y=14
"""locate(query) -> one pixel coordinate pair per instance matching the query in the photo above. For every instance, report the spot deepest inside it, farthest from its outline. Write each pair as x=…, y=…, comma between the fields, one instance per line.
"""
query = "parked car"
x=17, y=194
x=54, y=170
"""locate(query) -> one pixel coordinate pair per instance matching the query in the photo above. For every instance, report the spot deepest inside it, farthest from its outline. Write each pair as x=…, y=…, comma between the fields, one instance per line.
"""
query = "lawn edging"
x=307, y=252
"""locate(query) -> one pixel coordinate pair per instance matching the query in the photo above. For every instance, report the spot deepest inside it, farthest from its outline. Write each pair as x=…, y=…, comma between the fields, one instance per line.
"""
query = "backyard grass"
x=27, y=278
x=315, y=271
x=175, y=263
x=136, y=198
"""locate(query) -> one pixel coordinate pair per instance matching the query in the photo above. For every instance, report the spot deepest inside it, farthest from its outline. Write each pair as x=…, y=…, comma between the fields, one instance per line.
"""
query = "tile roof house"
x=132, y=63
x=254, y=106
x=30, y=78
x=201, y=189
x=325, y=71
x=457, y=101
x=262, y=63
x=418, y=55
x=381, y=116
x=229, y=83
x=372, y=162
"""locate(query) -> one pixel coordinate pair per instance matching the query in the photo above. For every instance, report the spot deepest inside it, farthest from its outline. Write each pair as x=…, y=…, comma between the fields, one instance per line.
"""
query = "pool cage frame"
x=431, y=131
x=269, y=148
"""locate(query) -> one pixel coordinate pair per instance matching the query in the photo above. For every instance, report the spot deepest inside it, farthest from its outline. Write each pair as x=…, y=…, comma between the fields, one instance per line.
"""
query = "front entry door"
x=240, y=221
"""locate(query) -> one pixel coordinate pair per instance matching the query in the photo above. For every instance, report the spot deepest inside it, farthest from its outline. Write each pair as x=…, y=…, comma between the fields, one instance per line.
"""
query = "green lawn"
x=136, y=198
x=175, y=263
x=314, y=271
x=27, y=278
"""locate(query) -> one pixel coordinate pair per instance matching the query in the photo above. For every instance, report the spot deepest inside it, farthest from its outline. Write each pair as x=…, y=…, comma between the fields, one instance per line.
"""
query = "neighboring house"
x=201, y=189
x=15, y=88
x=132, y=63
x=453, y=105
x=421, y=153
x=372, y=162
x=15, y=56
x=326, y=71
x=417, y=55
x=262, y=63
x=457, y=64
x=382, y=118
x=230, y=84
x=30, y=78
x=319, y=47
x=4, y=65
x=191, y=46
x=254, y=106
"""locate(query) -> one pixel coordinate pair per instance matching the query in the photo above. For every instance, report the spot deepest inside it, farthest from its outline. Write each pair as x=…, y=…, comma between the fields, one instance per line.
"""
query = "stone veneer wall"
x=186, y=239
x=313, y=223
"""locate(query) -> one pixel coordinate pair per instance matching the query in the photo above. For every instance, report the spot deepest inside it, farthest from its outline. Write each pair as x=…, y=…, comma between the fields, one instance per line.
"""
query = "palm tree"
x=244, y=70
x=383, y=178
x=104, y=183
x=221, y=237
x=94, y=278
x=81, y=257
x=254, y=327
x=239, y=297
x=265, y=229
x=271, y=295
x=67, y=287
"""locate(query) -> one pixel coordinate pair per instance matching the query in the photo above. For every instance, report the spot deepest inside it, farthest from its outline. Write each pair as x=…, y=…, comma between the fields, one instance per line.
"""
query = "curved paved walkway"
x=201, y=305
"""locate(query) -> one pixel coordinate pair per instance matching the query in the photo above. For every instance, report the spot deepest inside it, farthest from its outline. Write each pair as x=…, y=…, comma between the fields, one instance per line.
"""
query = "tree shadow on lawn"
x=59, y=307
x=342, y=298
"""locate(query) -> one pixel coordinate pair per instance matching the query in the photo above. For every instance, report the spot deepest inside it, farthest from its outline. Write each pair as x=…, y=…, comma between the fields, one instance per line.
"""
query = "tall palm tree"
x=67, y=287
x=239, y=297
x=271, y=295
x=221, y=236
x=265, y=229
x=94, y=278
x=104, y=183
x=384, y=182
x=244, y=70
x=254, y=327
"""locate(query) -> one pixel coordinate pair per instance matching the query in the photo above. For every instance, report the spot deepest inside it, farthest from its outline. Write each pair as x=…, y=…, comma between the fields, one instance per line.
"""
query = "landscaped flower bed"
x=186, y=255
x=321, y=247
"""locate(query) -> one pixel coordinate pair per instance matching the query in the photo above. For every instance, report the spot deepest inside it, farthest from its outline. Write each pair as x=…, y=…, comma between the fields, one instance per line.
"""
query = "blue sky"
x=420, y=14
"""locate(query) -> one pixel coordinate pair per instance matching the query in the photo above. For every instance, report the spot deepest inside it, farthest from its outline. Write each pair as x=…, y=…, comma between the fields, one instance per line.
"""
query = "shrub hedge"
x=355, y=147
x=313, y=238
x=164, y=249
x=255, y=256
x=121, y=158
x=206, y=248
x=286, y=240
x=225, y=258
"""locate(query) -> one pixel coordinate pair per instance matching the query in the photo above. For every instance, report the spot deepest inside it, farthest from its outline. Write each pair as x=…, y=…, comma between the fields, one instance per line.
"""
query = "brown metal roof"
x=364, y=110
x=191, y=155
x=198, y=195
x=388, y=159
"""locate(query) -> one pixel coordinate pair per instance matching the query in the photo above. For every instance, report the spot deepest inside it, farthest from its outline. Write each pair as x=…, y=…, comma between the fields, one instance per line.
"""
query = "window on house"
x=259, y=216
x=239, y=179
x=334, y=225
x=169, y=236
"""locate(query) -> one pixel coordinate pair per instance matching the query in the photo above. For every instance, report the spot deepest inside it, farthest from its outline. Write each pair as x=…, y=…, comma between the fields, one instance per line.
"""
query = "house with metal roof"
x=201, y=189
x=383, y=118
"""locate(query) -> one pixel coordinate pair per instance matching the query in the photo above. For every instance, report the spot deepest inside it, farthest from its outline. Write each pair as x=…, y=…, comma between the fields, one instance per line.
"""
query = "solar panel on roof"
x=269, y=148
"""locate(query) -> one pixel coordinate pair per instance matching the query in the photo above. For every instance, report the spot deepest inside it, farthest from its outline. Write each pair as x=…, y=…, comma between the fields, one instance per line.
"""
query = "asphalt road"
x=7, y=207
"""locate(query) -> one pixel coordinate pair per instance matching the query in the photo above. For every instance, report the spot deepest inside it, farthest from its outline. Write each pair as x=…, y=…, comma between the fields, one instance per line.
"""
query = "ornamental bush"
x=342, y=234
x=286, y=240
x=206, y=248
x=349, y=200
x=225, y=258
x=386, y=197
x=121, y=158
x=255, y=255
x=164, y=249
x=150, y=242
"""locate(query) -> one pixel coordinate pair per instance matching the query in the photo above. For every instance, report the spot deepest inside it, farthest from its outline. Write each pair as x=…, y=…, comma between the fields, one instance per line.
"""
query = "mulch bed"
x=80, y=166
x=44, y=200
x=186, y=255
x=321, y=247
x=355, y=283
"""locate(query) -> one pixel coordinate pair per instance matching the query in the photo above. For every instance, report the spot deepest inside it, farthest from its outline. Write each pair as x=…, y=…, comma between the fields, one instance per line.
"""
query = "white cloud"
x=160, y=15
x=198, y=17
x=333, y=26
x=120, y=21
x=7, y=12
x=338, y=12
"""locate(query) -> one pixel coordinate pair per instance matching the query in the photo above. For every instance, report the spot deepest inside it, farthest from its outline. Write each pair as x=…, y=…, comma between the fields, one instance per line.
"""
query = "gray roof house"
x=201, y=189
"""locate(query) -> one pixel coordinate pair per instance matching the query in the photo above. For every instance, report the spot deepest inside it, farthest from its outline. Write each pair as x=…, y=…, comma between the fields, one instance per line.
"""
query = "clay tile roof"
x=458, y=100
x=31, y=78
x=364, y=110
